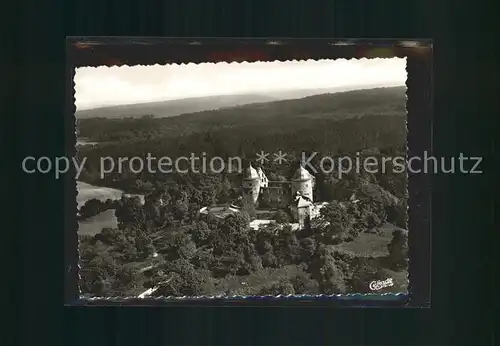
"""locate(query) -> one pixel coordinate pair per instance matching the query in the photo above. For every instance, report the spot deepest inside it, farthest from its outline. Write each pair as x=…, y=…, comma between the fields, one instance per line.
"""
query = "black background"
x=33, y=71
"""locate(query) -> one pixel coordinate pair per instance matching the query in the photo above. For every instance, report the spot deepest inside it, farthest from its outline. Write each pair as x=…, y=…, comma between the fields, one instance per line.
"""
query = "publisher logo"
x=378, y=285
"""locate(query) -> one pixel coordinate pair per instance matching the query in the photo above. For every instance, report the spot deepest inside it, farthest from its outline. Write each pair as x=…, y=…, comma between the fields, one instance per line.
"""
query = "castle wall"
x=276, y=197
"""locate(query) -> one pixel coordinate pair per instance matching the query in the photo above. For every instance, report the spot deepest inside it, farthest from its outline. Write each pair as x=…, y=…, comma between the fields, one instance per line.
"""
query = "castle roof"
x=301, y=174
x=250, y=173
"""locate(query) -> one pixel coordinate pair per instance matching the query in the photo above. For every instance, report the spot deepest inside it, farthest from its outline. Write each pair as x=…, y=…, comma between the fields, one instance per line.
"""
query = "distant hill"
x=172, y=108
x=286, y=116
x=335, y=106
x=301, y=93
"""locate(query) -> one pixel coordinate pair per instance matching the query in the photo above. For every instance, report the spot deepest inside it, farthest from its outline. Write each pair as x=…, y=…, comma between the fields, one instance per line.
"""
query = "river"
x=107, y=219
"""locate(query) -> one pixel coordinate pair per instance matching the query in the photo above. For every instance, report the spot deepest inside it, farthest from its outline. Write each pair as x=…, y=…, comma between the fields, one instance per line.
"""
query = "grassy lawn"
x=370, y=244
x=375, y=244
x=95, y=224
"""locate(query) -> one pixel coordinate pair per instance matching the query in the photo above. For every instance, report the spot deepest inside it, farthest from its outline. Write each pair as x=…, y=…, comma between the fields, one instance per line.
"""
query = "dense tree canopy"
x=167, y=245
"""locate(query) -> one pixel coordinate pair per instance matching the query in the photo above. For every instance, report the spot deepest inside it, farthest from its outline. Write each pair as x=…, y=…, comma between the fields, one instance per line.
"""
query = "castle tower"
x=302, y=182
x=251, y=184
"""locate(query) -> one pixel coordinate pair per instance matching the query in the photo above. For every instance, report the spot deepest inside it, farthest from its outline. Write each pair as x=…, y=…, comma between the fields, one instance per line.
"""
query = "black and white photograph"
x=276, y=178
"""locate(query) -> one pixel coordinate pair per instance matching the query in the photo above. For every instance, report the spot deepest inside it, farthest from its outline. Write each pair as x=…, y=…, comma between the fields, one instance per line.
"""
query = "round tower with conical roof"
x=251, y=184
x=302, y=182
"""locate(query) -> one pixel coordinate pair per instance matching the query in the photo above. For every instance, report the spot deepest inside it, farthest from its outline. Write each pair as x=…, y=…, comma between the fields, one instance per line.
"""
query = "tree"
x=269, y=260
x=324, y=270
x=303, y=284
x=108, y=236
x=398, y=249
x=335, y=214
x=181, y=206
x=308, y=248
x=253, y=262
x=282, y=218
x=91, y=208
x=129, y=212
x=334, y=225
x=202, y=234
x=96, y=273
x=153, y=208
x=224, y=191
x=233, y=247
x=203, y=259
x=231, y=233
x=144, y=246
x=123, y=278
x=178, y=245
x=126, y=248
x=286, y=247
x=209, y=195
x=231, y=262
x=180, y=278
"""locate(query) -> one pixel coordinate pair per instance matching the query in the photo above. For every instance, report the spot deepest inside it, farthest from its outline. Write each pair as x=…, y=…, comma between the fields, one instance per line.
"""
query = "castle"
x=295, y=194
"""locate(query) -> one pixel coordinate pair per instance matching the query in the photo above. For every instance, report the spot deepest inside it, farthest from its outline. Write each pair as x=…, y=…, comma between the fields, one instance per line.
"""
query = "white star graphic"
x=262, y=157
x=280, y=157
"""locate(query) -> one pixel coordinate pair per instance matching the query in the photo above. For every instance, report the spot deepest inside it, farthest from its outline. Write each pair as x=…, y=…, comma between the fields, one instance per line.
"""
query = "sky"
x=107, y=86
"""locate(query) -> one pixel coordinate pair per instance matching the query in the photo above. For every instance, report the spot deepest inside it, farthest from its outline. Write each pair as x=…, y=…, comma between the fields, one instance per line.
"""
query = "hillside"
x=198, y=104
x=173, y=107
x=275, y=116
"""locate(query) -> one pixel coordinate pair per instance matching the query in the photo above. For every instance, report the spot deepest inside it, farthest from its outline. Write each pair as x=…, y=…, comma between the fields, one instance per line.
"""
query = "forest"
x=167, y=245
